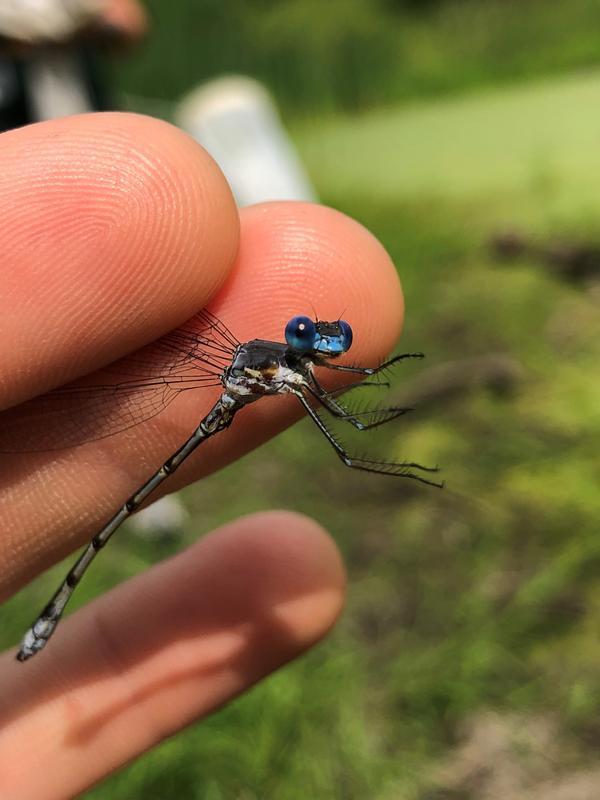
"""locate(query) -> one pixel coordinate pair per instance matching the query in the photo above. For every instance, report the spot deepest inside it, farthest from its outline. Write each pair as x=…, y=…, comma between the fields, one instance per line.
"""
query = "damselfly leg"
x=400, y=469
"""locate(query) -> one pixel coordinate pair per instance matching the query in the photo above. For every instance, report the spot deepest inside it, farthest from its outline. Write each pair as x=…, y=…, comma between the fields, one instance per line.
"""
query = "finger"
x=115, y=228
x=127, y=17
x=292, y=256
x=164, y=649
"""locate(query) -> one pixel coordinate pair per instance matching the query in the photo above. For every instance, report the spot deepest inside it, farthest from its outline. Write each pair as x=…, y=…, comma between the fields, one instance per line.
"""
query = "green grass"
x=351, y=55
x=530, y=150
x=481, y=596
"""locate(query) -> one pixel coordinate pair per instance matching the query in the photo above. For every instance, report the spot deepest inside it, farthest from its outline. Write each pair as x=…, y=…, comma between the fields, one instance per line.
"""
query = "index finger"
x=115, y=228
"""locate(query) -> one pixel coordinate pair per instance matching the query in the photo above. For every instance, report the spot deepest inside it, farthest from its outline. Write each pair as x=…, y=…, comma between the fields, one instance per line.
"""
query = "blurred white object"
x=236, y=120
x=164, y=519
x=56, y=88
x=46, y=20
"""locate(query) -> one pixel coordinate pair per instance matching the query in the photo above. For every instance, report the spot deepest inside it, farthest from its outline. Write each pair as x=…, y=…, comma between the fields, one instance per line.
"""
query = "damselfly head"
x=323, y=338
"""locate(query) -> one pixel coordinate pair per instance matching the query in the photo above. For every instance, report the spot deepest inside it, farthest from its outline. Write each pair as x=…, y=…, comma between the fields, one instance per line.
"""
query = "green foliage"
x=354, y=54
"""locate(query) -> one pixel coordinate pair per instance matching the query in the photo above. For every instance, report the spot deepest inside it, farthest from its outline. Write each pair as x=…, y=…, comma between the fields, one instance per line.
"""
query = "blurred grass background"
x=350, y=55
x=468, y=657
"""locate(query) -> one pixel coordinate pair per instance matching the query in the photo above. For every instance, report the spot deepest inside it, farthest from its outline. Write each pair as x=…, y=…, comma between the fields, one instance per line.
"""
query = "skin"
x=126, y=16
x=116, y=228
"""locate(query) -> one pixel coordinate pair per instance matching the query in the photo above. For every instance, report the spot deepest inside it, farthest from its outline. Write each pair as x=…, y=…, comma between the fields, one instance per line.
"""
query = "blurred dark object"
x=49, y=65
x=444, y=382
x=578, y=262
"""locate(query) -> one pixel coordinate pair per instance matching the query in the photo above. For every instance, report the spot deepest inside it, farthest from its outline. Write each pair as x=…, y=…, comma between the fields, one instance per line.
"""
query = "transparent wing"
x=190, y=357
x=204, y=343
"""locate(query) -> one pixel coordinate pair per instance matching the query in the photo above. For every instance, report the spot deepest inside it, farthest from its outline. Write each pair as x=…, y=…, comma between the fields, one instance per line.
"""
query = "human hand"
x=115, y=229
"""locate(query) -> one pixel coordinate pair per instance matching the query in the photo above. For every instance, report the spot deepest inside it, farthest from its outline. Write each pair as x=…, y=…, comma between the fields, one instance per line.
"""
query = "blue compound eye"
x=300, y=333
x=346, y=334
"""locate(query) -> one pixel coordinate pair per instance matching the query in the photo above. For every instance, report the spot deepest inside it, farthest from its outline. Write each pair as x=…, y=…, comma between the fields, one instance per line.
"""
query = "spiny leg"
x=401, y=469
x=382, y=415
x=44, y=626
x=327, y=399
x=347, y=387
x=369, y=370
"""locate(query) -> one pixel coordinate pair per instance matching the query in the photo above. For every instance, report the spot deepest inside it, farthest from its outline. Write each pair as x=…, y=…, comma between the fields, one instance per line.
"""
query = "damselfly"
x=201, y=353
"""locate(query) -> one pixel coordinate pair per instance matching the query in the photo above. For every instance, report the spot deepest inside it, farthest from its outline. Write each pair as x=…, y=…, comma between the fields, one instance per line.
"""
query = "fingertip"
x=314, y=259
x=296, y=565
x=311, y=547
x=278, y=571
x=115, y=228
